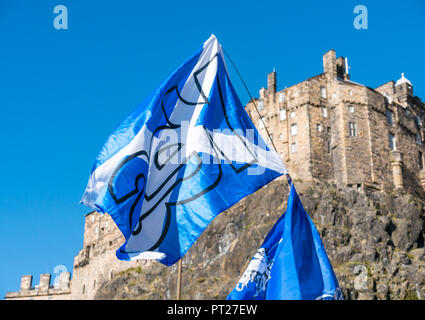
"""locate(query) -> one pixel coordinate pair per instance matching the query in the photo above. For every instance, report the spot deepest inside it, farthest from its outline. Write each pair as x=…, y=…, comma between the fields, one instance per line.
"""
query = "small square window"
x=324, y=112
x=261, y=123
x=282, y=114
x=260, y=105
x=292, y=114
x=293, y=147
x=319, y=127
x=350, y=108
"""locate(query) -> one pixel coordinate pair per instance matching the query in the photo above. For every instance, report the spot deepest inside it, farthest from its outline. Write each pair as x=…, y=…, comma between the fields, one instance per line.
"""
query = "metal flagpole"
x=179, y=278
x=288, y=177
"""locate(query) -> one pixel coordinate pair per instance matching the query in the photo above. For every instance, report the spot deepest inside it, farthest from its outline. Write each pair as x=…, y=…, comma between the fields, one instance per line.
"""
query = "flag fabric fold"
x=292, y=263
x=187, y=153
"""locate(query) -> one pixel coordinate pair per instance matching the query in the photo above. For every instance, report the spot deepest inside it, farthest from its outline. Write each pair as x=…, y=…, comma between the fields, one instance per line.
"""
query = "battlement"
x=60, y=290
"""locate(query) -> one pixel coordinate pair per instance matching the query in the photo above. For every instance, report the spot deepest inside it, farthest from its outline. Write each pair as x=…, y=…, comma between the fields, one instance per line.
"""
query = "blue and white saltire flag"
x=187, y=153
x=292, y=263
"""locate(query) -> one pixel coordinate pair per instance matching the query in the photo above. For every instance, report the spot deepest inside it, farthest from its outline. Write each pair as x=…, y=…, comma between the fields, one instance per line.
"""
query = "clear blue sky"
x=62, y=92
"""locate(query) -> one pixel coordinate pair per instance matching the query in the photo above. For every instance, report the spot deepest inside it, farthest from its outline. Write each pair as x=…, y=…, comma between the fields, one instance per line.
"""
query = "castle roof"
x=402, y=80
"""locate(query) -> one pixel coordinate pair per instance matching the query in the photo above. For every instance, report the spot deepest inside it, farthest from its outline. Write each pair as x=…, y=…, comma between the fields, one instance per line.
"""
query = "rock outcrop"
x=374, y=240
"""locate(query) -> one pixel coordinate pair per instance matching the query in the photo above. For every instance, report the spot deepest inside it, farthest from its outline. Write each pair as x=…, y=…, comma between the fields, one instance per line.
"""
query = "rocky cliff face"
x=375, y=242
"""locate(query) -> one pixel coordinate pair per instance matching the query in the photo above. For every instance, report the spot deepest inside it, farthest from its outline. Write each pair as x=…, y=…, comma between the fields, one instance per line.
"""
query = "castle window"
x=282, y=97
x=418, y=139
x=420, y=160
x=390, y=117
x=84, y=289
x=352, y=129
x=350, y=108
x=87, y=252
x=319, y=127
x=323, y=92
x=282, y=114
x=293, y=148
x=260, y=105
x=391, y=140
x=261, y=123
x=94, y=284
x=324, y=112
x=329, y=146
x=294, y=130
x=92, y=218
x=281, y=136
x=292, y=114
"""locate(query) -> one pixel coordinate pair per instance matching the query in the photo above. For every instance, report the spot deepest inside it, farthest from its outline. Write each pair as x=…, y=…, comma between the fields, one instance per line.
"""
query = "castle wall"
x=97, y=262
x=44, y=290
x=320, y=129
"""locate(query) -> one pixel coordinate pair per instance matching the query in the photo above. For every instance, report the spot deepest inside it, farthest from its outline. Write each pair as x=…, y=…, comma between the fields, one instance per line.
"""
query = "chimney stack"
x=271, y=82
x=329, y=63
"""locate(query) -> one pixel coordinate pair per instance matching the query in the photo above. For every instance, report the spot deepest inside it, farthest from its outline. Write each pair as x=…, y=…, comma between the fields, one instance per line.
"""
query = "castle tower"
x=403, y=90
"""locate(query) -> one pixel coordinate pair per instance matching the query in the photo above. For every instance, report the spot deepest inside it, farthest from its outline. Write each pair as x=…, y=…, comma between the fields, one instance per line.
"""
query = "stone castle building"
x=326, y=128
x=329, y=128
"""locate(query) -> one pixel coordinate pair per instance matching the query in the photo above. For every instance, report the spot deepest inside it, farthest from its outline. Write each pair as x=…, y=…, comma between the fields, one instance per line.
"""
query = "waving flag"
x=187, y=153
x=254, y=281
x=291, y=264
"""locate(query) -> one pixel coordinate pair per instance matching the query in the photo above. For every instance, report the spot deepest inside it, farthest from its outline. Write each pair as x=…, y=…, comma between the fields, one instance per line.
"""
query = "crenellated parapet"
x=60, y=290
